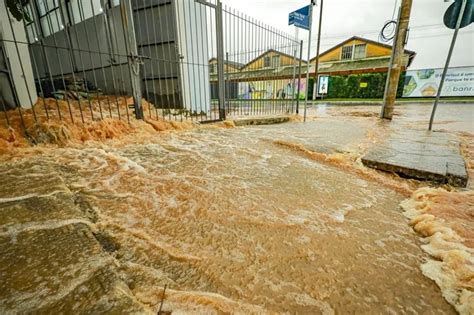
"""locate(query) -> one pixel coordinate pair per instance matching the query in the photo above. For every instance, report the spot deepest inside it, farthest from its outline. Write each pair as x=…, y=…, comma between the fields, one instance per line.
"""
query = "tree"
x=17, y=9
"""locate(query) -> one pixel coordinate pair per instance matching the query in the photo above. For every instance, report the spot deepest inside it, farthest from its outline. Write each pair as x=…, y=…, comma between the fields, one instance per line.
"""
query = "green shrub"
x=349, y=86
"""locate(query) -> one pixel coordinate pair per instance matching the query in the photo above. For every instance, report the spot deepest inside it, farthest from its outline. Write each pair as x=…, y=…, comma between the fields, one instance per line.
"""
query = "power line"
x=394, y=9
x=375, y=33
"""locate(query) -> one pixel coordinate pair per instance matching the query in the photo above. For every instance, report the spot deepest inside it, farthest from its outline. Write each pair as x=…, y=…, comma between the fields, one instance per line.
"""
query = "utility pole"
x=396, y=60
x=316, y=81
x=309, y=56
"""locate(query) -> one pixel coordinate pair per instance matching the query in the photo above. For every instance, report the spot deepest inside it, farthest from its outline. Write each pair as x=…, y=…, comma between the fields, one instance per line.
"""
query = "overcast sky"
x=345, y=18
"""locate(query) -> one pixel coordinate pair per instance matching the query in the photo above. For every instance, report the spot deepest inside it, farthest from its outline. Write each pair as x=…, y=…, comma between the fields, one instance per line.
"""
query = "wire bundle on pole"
x=388, y=31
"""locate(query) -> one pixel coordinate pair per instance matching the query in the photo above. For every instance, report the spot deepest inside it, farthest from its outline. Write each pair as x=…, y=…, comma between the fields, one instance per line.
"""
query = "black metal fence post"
x=220, y=60
x=134, y=60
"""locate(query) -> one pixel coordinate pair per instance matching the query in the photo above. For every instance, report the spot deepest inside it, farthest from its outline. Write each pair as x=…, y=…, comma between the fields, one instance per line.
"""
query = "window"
x=267, y=62
x=271, y=61
x=346, y=53
x=30, y=26
x=275, y=61
x=83, y=10
x=49, y=16
x=360, y=51
x=213, y=68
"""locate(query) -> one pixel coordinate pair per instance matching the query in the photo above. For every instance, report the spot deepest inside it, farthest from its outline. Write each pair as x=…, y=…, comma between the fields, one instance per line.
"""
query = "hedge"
x=350, y=86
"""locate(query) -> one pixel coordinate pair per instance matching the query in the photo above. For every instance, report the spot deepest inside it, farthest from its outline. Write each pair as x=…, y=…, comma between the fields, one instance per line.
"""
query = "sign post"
x=303, y=18
x=459, y=23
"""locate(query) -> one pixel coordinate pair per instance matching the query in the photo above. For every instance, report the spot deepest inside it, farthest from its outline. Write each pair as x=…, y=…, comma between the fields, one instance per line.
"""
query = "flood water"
x=232, y=221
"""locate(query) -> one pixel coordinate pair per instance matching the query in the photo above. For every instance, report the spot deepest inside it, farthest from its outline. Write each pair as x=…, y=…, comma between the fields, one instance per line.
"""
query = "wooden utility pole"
x=396, y=60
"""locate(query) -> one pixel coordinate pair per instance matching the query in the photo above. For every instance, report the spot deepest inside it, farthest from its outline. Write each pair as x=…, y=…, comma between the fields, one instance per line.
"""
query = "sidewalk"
x=424, y=155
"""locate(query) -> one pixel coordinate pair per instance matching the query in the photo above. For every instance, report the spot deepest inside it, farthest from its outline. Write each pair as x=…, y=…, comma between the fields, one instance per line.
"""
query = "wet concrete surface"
x=261, y=120
x=49, y=256
x=424, y=155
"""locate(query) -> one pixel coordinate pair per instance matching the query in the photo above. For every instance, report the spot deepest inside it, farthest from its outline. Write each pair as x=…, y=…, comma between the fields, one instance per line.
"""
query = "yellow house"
x=229, y=66
x=270, y=65
x=272, y=73
x=271, y=59
x=358, y=55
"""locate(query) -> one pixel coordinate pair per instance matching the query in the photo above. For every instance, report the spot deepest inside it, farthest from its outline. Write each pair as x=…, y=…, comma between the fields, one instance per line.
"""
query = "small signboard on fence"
x=300, y=18
x=323, y=85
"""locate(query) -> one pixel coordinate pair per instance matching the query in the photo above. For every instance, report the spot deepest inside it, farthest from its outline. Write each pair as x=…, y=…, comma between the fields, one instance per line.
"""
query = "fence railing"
x=80, y=61
x=262, y=66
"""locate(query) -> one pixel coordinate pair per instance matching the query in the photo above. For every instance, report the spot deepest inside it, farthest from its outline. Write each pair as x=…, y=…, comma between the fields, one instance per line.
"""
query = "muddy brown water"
x=232, y=222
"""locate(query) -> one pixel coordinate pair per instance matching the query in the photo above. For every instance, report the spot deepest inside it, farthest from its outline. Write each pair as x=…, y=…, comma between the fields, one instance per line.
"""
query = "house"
x=229, y=66
x=357, y=67
x=268, y=75
x=358, y=55
x=270, y=59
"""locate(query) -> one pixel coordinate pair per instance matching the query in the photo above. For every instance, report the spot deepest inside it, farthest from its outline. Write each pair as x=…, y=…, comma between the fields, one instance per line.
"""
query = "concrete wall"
x=94, y=49
x=18, y=88
x=155, y=22
x=195, y=54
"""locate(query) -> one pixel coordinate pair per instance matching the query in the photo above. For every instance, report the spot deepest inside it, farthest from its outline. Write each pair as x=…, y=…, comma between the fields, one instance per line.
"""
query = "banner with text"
x=425, y=83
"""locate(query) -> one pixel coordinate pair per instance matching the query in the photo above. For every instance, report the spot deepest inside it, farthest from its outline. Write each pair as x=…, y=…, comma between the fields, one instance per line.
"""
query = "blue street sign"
x=300, y=18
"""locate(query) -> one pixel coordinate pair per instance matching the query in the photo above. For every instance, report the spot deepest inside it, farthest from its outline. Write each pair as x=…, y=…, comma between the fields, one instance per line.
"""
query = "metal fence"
x=262, y=67
x=80, y=61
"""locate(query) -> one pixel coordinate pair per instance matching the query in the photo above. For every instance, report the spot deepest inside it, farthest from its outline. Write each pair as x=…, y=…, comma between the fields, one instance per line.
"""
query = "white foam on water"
x=15, y=229
x=32, y=195
x=452, y=263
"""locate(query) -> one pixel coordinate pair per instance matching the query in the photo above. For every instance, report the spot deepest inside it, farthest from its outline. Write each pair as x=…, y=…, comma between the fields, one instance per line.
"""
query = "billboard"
x=425, y=83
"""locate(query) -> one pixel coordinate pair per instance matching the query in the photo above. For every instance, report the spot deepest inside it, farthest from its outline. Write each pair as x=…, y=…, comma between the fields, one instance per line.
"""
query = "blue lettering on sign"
x=300, y=18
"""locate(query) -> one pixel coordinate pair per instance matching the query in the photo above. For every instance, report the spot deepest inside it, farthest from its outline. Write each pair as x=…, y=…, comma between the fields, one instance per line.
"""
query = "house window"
x=346, y=53
x=83, y=10
x=360, y=51
x=275, y=61
x=213, y=68
x=30, y=26
x=49, y=16
x=267, y=62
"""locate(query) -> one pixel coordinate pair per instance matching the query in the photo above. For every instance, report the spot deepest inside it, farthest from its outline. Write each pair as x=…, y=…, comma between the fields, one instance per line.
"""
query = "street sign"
x=300, y=18
x=452, y=14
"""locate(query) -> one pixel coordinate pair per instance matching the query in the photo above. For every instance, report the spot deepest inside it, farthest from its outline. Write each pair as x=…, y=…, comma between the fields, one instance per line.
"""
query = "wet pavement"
x=424, y=155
